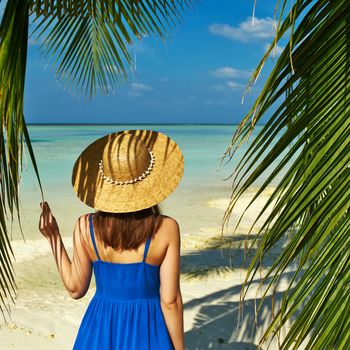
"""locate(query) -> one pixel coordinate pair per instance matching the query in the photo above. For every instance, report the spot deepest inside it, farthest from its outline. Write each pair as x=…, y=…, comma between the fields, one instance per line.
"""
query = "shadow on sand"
x=221, y=255
x=219, y=322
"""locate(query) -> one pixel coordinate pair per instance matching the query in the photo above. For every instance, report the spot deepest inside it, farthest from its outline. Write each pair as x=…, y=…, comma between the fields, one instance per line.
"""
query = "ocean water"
x=57, y=147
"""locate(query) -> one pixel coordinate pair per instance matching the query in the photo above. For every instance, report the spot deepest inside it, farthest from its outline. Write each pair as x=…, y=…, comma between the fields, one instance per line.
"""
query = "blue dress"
x=125, y=311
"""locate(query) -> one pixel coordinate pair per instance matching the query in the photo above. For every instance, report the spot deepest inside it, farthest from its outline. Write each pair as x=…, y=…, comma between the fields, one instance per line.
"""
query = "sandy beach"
x=45, y=317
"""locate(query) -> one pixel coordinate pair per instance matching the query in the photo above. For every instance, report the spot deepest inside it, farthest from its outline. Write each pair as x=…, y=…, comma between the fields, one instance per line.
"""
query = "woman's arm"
x=76, y=274
x=171, y=299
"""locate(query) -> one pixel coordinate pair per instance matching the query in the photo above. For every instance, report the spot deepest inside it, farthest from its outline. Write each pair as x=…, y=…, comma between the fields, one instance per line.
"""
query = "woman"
x=132, y=248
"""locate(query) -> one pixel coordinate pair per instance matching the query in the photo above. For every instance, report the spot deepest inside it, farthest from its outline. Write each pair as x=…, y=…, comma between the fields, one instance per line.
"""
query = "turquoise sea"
x=57, y=147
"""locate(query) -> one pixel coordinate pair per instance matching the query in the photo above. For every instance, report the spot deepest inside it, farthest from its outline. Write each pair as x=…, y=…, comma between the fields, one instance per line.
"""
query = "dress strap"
x=146, y=249
x=93, y=236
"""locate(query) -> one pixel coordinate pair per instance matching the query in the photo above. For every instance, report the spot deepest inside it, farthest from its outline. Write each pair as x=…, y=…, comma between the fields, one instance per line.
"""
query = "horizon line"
x=137, y=124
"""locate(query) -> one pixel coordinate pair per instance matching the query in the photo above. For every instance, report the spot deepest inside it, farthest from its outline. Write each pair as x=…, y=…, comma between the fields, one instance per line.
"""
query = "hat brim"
x=165, y=176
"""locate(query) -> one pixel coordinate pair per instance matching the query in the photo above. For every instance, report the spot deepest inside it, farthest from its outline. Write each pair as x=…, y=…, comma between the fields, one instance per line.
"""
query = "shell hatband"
x=127, y=182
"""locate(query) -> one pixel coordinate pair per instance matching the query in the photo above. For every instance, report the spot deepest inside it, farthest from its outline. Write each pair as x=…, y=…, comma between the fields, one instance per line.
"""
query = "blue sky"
x=198, y=77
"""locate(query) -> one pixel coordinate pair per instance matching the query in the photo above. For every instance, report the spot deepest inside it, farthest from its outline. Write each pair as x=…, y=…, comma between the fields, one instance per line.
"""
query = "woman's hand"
x=47, y=223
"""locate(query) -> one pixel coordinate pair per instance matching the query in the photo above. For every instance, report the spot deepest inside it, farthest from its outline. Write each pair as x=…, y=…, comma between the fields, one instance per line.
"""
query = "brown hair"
x=125, y=231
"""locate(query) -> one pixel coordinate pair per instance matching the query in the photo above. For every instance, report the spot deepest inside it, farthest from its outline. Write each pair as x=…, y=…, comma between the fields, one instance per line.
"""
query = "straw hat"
x=128, y=171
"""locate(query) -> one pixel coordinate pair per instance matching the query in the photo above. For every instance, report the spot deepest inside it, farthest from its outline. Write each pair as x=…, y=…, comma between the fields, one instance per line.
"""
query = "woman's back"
x=157, y=250
x=125, y=312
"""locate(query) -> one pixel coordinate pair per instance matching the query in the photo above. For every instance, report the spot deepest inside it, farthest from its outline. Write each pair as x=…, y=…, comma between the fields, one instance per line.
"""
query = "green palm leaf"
x=92, y=49
x=307, y=137
x=13, y=50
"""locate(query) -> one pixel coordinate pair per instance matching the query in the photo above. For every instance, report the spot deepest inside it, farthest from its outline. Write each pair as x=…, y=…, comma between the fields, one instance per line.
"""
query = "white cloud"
x=248, y=30
x=229, y=72
x=140, y=87
x=219, y=87
x=233, y=85
x=227, y=86
x=276, y=51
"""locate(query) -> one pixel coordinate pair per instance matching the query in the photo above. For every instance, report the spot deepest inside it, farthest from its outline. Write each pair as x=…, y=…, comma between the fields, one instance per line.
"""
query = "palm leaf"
x=92, y=49
x=307, y=139
x=13, y=51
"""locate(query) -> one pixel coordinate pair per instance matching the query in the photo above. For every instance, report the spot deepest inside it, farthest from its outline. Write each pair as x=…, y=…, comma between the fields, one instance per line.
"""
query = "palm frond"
x=308, y=137
x=92, y=46
x=13, y=133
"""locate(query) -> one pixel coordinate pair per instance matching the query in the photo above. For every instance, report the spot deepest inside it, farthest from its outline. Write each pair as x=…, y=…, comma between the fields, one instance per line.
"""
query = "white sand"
x=45, y=317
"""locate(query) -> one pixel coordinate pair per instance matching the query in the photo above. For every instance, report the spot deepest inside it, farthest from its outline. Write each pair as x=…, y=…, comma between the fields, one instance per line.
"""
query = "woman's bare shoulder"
x=169, y=221
x=82, y=224
x=170, y=228
x=83, y=219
